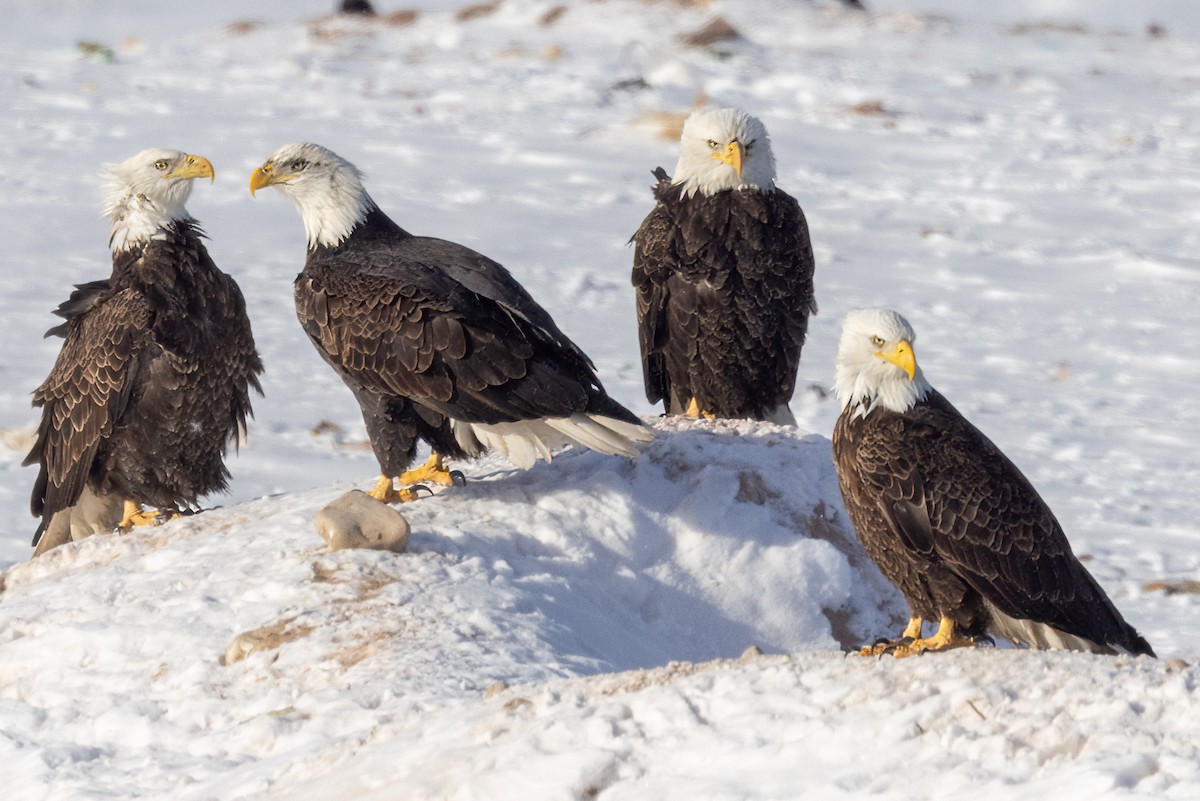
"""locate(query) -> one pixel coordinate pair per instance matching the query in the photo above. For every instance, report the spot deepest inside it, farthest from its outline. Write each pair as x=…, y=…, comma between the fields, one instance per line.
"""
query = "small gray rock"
x=356, y=520
x=751, y=653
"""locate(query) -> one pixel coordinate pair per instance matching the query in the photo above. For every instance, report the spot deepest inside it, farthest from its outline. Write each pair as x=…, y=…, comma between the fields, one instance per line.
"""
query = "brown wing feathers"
x=454, y=353
x=86, y=393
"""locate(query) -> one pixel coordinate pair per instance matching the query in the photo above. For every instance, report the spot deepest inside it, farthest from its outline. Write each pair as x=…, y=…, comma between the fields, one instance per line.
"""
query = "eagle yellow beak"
x=194, y=167
x=263, y=176
x=903, y=357
x=732, y=156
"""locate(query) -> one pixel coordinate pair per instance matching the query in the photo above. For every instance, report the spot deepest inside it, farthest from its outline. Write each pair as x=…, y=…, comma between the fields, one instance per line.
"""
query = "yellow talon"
x=912, y=632
x=434, y=470
x=694, y=410
x=135, y=515
x=384, y=492
x=943, y=639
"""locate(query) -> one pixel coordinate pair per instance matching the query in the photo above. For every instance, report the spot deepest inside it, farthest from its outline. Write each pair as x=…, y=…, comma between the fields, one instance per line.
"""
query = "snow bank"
x=232, y=639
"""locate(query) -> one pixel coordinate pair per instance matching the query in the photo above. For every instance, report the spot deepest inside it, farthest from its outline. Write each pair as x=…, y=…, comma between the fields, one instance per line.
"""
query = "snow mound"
x=219, y=641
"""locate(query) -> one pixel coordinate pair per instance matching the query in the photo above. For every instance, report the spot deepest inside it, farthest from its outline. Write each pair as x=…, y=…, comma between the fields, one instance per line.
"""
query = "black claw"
x=416, y=487
x=985, y=641
x=457, y=478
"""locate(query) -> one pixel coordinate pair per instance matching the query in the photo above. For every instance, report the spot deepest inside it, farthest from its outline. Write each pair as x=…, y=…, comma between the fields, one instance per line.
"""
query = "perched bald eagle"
x=948, y=518
x=437, y=342
x=154, y=374
x=723, y=268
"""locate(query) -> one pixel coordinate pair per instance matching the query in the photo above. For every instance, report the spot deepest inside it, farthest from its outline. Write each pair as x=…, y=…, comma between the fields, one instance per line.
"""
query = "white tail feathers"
x=1041, y=635
x=524, y=442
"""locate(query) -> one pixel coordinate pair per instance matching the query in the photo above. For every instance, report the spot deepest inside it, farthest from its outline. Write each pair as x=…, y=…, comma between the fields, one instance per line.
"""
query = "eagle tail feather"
x=526, y=441
x=1044, y=636
x=603, y=434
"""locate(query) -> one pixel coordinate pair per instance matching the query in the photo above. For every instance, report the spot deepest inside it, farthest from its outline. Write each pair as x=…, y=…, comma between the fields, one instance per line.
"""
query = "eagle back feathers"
x=443, y=326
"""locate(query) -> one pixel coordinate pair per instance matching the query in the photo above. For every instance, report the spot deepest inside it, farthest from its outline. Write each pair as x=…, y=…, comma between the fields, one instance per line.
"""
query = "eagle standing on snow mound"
x=948, y=518
x=723, y=268
x=435, y=341
x=154, y=376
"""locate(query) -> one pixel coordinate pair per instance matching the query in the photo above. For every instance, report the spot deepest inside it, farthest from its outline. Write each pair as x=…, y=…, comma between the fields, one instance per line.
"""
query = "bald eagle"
x=723, y=269
x=437, y=342
x=948, y=518
x=154, y=374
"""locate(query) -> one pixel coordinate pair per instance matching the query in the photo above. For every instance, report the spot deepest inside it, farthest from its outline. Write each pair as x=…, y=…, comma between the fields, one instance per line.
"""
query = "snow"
x=1019, y=181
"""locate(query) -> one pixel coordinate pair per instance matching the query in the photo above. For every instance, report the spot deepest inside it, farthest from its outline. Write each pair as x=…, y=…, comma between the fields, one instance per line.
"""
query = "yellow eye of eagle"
x=161, y=164
x=877, y=341
x=713, y=144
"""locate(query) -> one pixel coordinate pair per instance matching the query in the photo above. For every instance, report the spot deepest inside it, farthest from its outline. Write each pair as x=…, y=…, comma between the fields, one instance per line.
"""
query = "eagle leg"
x=883, y=645
x=694, y=410
x=943, y=639
x=385, y=492
x=434, y=470
x=135, y=515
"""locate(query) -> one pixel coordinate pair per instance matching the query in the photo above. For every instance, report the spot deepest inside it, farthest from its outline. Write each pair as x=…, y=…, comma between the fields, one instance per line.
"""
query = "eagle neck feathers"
x=672, y=191
x=137, y=219
x=333, y=215
x=860, y=395
x=374, y=225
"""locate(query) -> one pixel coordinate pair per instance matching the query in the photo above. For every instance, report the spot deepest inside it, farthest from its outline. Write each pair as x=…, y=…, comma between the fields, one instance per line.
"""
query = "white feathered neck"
x=864, y=378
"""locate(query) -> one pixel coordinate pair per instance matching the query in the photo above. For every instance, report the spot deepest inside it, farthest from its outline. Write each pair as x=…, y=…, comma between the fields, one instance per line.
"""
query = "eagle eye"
x=713, y=144
x=160, y=165
x=877, y=341
x=299, y=165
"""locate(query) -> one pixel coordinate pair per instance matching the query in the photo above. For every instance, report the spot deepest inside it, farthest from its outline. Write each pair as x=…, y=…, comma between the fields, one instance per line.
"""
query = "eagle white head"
x=876, y=364
x=724, y=149
x=327, y=189
x=148, y=192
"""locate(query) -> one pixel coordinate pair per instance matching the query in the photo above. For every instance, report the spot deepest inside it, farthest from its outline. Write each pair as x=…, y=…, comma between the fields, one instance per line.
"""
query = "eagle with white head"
x=950, y=521
x=437, y=342
x=154, y=374
x=723, y=268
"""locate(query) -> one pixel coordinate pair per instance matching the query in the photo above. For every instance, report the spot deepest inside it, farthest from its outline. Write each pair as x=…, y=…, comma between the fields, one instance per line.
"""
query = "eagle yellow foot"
x=883, y=645
x=433, y=471
x=942, y=640
x=386, y=493
x=694, y=410
x=134, y=515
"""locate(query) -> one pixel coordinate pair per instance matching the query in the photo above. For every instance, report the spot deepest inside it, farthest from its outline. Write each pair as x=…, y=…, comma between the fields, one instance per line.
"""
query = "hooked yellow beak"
x=732, y=156
x=263, y=176
x=903, y=357
x=194, y=167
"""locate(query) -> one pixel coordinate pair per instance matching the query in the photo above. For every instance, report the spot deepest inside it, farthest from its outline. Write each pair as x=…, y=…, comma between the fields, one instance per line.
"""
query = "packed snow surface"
x=1019, y=181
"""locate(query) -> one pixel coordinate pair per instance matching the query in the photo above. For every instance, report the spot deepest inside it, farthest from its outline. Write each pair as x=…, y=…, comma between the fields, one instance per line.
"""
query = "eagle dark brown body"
x=151, y=384
x=724, y=290
x=957, y=528
x=425, y=331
